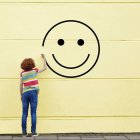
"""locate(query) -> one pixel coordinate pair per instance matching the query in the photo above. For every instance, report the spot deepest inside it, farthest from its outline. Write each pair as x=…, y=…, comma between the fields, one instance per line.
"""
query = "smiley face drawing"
x=72, y=48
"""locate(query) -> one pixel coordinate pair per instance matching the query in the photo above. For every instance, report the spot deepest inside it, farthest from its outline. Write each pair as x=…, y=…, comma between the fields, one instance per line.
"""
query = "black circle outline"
x=97, y=43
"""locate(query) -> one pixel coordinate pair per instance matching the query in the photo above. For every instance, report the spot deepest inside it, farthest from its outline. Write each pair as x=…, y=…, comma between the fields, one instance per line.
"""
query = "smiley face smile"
x=70, y=67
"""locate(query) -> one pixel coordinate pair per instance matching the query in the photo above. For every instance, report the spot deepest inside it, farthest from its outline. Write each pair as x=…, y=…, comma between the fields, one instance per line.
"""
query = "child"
x=29, y=89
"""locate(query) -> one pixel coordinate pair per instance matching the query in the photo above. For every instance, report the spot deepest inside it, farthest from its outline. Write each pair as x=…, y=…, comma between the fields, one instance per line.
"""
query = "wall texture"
x=107, y=99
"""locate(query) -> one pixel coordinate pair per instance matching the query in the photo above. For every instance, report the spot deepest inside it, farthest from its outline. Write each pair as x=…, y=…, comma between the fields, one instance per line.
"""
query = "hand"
x=43, y=56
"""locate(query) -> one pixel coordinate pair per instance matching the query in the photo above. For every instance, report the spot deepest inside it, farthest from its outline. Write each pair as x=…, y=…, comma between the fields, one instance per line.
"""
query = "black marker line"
x=70, y=67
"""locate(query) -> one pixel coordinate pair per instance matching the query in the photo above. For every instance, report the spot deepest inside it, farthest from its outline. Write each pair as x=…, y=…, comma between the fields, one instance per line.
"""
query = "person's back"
x=30, y=81
x=29, y=89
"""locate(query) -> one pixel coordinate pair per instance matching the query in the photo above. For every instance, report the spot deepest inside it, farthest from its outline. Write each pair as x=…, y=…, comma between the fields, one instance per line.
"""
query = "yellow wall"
x=107, y=99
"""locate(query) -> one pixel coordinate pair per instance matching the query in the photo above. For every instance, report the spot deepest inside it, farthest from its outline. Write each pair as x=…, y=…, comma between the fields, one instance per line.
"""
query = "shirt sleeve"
x=37, y=70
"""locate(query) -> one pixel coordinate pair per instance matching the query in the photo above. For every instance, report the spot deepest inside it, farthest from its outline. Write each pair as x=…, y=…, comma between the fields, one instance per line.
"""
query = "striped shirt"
x=29, y=80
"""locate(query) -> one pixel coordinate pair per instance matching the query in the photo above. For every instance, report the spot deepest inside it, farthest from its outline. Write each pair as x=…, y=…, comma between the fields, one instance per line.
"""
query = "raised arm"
x=44, y=64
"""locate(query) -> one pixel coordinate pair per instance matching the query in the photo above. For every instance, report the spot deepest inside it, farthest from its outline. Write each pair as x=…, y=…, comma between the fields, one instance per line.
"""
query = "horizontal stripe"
x=28, y=89
x=31, y=70
x=29, y=76
x=34, y=82
x=30, y=79
x=28, y=73
x=37, y=85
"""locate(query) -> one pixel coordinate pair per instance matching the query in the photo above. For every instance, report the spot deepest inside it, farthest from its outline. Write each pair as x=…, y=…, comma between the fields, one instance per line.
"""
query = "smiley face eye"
x=60, y=42
x=80, y=42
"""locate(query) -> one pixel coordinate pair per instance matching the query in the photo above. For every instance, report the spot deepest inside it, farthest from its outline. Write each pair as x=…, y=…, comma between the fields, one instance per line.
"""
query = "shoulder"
x=21, y=73
x=36, y=69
